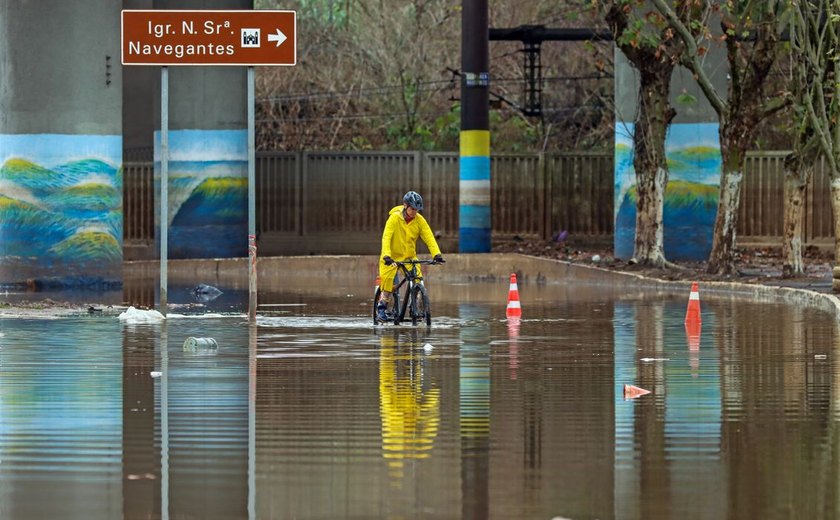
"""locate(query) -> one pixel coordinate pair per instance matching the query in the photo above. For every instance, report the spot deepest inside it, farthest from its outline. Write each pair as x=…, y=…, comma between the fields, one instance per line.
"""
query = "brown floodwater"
x=314, y=413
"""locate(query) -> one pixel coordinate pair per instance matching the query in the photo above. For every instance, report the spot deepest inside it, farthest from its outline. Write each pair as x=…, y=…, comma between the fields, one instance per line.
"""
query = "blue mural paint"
x=208, y=193
x=694, y=163
x=61, y=214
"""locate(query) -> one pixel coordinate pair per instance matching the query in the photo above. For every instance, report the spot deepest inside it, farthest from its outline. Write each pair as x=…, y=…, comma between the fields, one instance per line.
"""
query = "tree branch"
x=691, y=58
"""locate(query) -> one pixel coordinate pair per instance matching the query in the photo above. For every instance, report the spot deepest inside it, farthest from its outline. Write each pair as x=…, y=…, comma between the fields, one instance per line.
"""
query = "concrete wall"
x=139, y=106
x=693, y=150
x=208, y=168
x=60, y=141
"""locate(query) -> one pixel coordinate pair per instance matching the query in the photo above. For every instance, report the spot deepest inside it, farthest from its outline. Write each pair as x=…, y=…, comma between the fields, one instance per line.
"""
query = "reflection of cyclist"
x=410, y=413
x=399, y=243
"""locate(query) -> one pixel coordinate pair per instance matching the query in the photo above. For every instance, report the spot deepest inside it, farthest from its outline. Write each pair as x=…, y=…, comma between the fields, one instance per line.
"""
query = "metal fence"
x=760, y=218
x=337, y=202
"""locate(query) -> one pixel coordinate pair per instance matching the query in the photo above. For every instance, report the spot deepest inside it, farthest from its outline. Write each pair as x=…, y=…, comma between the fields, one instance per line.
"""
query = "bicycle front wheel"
x=376, y=295
x=422, y=311
x=400, y=308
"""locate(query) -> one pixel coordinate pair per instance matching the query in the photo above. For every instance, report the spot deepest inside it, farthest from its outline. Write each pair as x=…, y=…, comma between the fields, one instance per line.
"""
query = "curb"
x=303, y=271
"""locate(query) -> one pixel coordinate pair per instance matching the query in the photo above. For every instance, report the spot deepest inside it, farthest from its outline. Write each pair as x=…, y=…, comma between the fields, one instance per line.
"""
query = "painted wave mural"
x=208, y=193
x=691, y=196
x=60, y=208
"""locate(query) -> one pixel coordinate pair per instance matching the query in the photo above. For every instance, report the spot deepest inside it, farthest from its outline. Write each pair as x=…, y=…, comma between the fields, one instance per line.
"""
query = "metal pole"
x=164, y=185
x=252, y=219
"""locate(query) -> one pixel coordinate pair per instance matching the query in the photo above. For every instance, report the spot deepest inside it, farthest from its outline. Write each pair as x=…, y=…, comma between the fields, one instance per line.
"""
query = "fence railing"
x=760, y=218
x=337, y=202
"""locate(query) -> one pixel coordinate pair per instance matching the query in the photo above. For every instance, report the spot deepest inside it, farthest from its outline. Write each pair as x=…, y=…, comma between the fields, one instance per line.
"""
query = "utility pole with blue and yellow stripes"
x=474, y=224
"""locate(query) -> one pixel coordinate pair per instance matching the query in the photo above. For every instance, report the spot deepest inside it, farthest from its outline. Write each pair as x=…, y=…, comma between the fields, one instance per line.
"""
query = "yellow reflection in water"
x=410, y=413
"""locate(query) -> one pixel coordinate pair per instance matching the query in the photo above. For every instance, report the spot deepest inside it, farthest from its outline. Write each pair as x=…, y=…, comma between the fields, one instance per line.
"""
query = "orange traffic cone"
x=513, y=308
x=692, y=313
x=632, y=392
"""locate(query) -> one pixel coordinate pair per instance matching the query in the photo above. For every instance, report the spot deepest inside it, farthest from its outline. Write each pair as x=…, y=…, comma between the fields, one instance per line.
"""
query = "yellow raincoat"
x=399, y=241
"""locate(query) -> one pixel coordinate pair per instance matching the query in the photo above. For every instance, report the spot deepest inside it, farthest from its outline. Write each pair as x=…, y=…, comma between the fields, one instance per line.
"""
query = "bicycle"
x=415, y=299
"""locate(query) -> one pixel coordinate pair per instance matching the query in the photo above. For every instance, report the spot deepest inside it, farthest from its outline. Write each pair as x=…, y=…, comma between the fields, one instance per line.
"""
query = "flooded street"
x=317, y=414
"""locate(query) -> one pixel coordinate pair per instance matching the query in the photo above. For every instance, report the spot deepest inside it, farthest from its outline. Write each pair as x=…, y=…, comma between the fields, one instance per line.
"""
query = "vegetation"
x=815, y=37
x=384, y=75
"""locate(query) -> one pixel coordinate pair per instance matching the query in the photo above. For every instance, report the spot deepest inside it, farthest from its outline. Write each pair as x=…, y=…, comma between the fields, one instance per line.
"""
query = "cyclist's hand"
x=439, y=259
x=388, y=260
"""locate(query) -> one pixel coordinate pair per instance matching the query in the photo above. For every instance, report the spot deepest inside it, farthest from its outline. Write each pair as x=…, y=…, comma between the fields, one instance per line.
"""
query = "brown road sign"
x=169, y=37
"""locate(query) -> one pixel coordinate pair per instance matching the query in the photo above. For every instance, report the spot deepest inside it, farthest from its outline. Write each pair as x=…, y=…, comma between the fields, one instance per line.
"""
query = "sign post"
x=208, y=38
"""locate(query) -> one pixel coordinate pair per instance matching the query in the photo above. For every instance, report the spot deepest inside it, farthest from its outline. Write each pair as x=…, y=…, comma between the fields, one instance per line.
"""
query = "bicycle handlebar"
x=416, y=262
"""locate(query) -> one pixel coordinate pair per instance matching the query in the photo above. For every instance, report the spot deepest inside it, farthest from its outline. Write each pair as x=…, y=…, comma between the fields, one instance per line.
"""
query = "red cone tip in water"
x=632, y=392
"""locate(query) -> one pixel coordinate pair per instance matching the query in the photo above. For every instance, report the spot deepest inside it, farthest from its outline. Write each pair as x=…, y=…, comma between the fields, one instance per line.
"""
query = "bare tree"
x=815, y=37
x=799, y=168
x=648, y=42
x=751, y=33
x=375, y=74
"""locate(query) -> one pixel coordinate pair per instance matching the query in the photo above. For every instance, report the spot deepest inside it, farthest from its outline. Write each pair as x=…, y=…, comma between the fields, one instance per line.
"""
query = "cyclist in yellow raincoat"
x=399, y=243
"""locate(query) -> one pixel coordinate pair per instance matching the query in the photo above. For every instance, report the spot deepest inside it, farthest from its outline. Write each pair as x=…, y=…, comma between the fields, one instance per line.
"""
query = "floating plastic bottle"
x=192, y=344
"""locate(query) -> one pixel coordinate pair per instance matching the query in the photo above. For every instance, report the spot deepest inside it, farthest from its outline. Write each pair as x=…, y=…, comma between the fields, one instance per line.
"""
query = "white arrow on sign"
x=279, y=38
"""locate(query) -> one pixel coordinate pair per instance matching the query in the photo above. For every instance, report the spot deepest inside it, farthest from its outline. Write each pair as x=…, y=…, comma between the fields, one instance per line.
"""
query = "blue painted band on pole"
x=472, y=240
x=476, y=168
x=474, y=217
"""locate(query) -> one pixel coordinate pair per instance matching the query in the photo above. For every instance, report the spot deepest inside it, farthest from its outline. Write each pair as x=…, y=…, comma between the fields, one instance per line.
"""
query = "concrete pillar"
x=60, y=143
x=693, y=151
x=208, y=145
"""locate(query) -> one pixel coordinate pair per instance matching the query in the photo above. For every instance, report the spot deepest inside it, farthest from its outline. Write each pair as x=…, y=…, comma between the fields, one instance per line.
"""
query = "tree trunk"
x=650, y=163
x=797, y=177
x=722, y=257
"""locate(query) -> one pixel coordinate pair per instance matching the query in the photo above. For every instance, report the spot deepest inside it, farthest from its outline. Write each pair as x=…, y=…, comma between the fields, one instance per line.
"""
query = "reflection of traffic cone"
x=692, y=313
x=513, y=308
x=513, y=334
x=632, y=392
x=692, y=333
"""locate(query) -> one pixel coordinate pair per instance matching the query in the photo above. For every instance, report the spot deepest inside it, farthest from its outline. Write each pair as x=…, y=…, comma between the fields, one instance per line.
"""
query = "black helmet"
x=413, y=199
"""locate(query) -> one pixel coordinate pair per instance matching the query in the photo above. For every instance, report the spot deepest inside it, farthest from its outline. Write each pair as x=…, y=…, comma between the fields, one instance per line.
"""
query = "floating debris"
x=192, y=344
x=132, y=315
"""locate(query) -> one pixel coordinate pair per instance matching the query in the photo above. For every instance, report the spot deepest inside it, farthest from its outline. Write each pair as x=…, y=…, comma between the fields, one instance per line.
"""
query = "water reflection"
x=513, y=325
x=186, y=433
x=315, y=414
x=60, y=420
x=409, y=402
x=475, y=411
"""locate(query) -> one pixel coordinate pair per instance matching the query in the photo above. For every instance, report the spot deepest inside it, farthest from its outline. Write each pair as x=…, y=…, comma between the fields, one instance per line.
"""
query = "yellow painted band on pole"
x=475, y=143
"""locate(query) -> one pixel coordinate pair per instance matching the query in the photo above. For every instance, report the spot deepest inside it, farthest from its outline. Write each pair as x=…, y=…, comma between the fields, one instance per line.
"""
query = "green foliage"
x=684, y=98
x=513, y=134
x=359, y=143
x=322, y=12
x=440, y=133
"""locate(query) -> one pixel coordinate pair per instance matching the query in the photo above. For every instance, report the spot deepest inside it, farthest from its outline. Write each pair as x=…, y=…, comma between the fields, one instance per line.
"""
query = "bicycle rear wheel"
x=421, y=308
